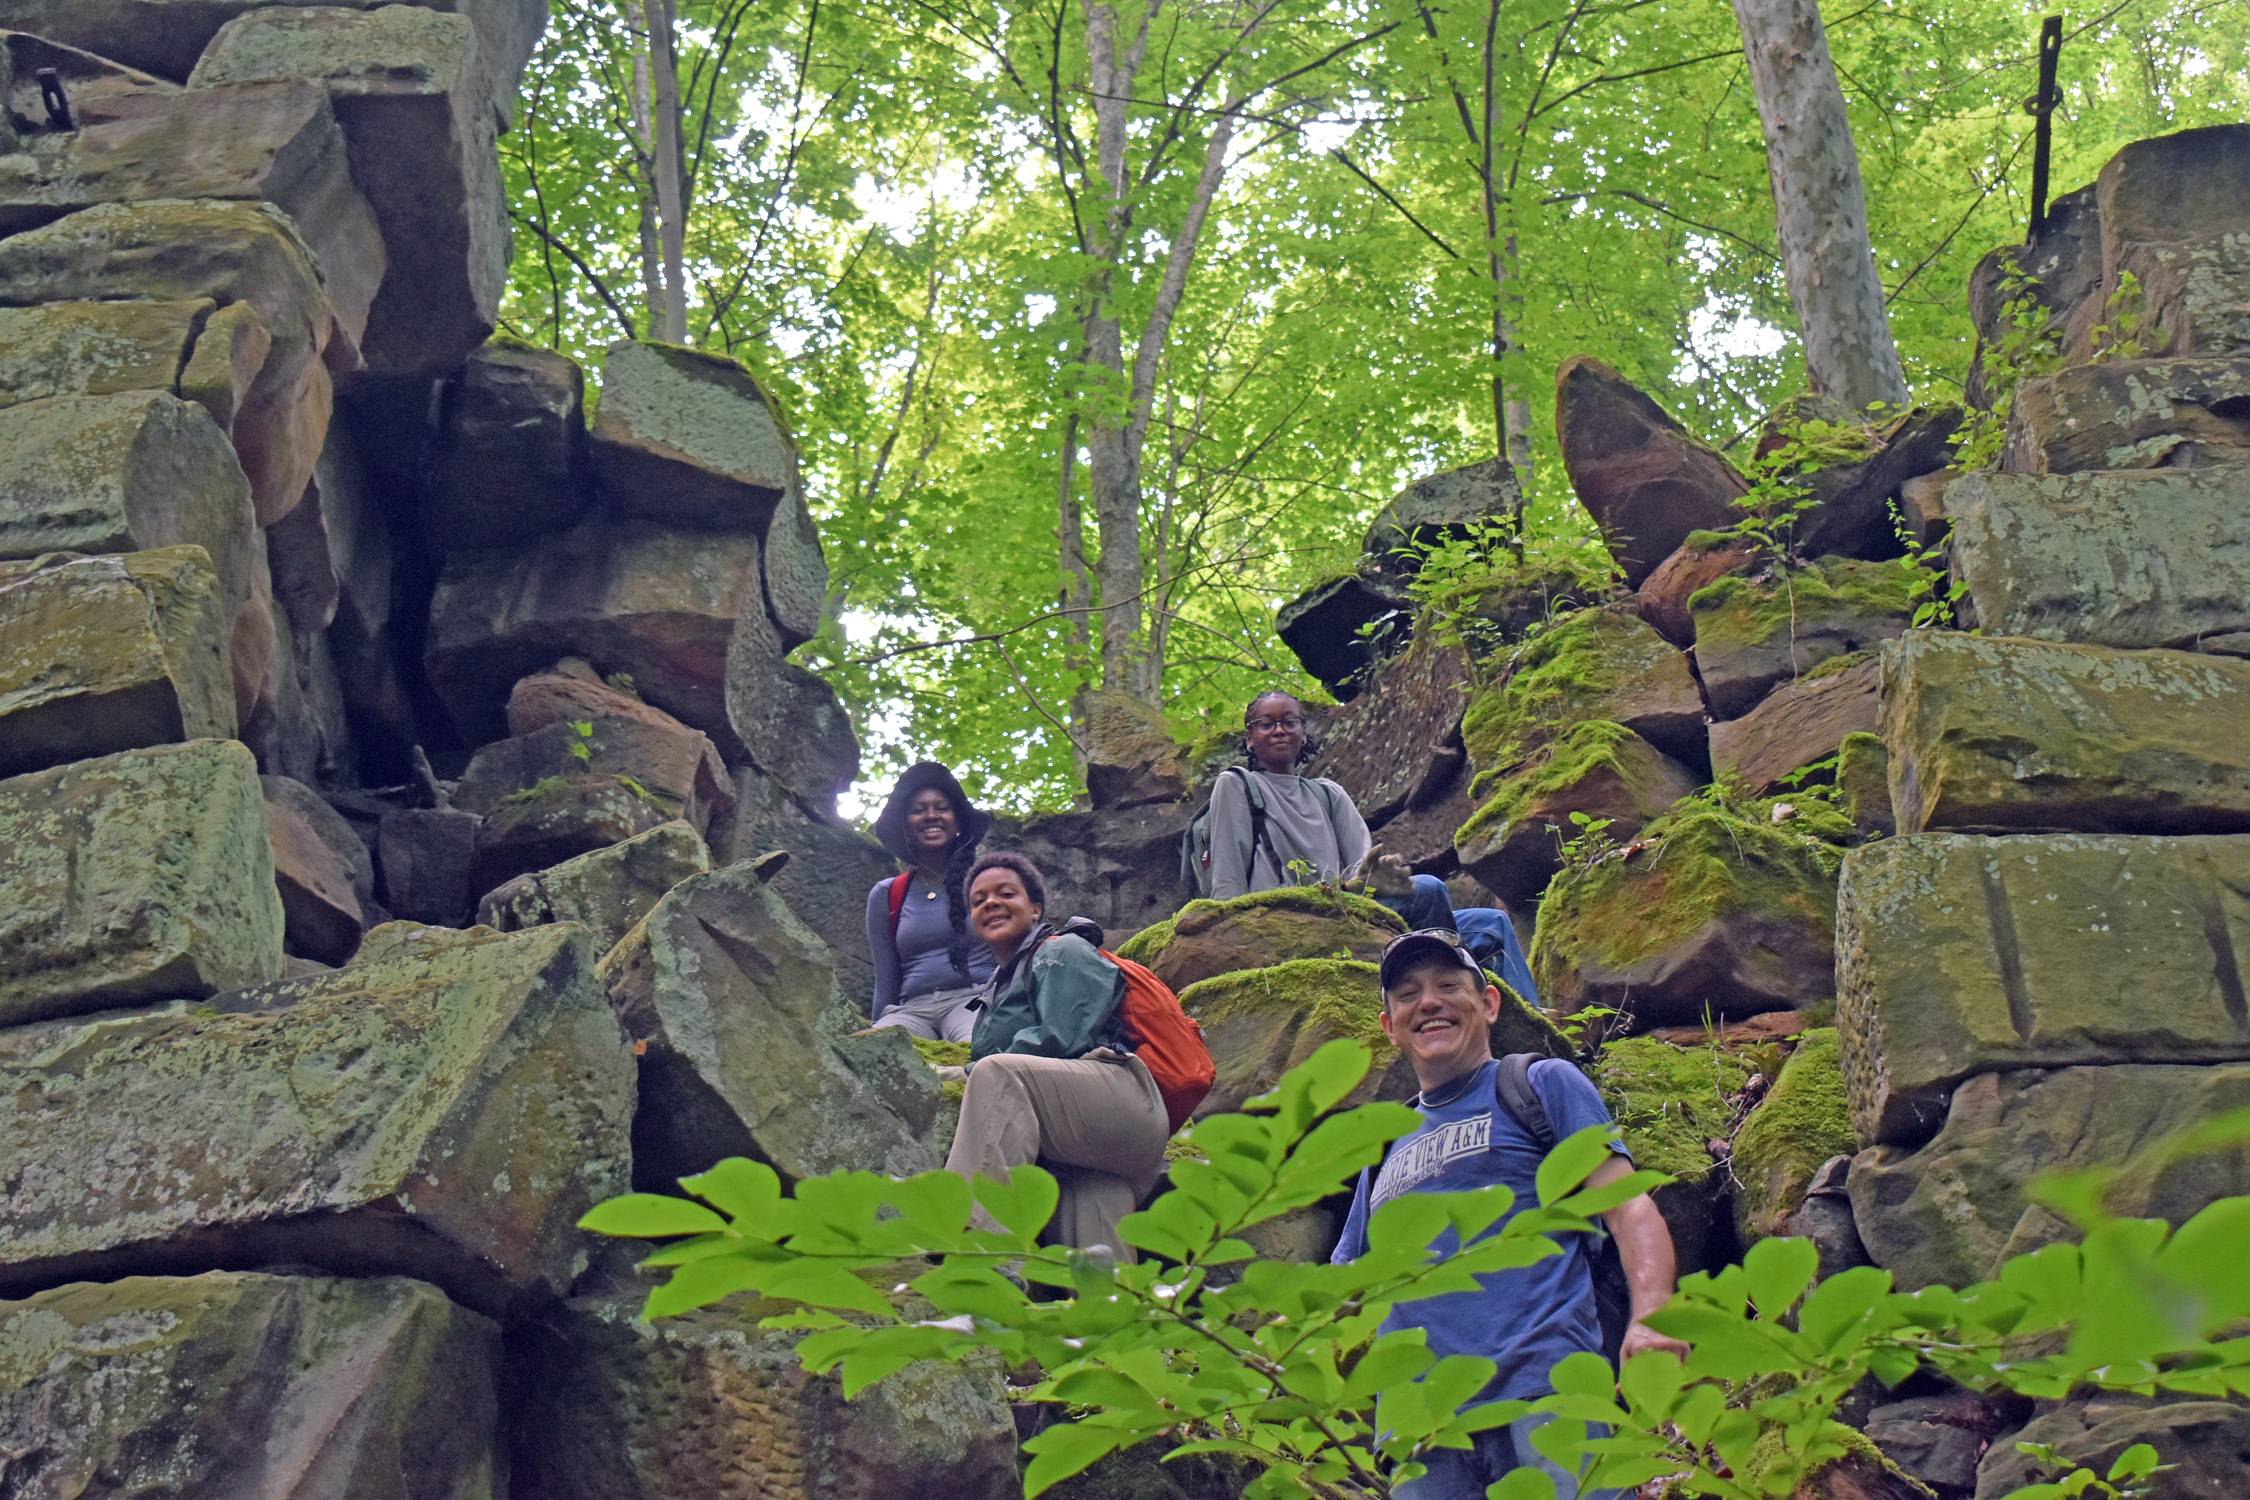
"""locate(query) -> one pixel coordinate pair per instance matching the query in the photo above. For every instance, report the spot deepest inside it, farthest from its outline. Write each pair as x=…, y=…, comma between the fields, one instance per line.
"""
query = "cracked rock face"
x=230, y=1384
x=448, y=1111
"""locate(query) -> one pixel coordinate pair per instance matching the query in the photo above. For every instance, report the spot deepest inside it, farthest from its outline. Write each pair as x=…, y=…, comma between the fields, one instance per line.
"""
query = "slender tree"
x=1819, y=208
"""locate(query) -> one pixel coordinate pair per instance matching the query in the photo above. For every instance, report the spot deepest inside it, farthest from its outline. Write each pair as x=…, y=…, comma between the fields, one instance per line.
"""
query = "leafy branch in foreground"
x=1288, y=1365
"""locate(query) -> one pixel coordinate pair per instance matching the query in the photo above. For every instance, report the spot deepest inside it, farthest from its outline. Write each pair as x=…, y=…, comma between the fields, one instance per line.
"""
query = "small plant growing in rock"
x=582, y=748
x=1589, y=846
x=1288, y=1367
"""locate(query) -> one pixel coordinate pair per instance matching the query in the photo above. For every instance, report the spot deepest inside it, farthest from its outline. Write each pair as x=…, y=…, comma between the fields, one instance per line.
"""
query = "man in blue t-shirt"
x=1438, y=1009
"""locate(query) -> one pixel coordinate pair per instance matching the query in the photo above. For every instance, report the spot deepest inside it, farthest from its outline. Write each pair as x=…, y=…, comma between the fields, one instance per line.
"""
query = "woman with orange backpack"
x=1082, y=1062
x=927, y=965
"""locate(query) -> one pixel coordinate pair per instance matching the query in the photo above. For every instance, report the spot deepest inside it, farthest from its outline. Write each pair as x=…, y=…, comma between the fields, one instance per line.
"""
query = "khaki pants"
x=940, y=1016
x=1096, y=1122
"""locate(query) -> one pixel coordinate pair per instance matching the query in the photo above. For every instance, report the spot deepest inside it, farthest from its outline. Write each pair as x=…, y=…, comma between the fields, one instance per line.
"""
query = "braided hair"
x=1305, y=751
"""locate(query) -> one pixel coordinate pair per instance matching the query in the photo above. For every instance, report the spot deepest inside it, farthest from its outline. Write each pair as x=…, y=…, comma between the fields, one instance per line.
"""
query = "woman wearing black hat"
x=927, y=966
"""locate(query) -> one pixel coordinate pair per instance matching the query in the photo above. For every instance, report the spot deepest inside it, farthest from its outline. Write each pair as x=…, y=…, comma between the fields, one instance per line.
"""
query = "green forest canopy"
x=899, y=216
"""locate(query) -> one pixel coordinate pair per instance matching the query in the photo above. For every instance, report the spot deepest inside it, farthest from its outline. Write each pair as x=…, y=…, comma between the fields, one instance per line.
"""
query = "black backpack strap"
x=1511, y=1081
x=1259, y=838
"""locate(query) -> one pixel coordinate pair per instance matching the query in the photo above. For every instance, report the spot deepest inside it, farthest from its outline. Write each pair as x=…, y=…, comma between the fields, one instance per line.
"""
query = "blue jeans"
x=1429, y=906
x=1487, y=933
x=1463, y=1473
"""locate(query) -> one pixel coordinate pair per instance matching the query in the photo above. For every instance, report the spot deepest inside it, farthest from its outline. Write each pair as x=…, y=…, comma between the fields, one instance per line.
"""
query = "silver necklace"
x=1459, y=1089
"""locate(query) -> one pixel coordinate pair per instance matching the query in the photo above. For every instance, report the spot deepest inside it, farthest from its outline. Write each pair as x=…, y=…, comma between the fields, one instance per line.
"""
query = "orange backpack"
x=1166, y=1039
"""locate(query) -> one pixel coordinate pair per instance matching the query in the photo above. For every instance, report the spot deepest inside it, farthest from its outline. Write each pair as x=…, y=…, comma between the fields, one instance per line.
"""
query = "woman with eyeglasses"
x=1273, y=826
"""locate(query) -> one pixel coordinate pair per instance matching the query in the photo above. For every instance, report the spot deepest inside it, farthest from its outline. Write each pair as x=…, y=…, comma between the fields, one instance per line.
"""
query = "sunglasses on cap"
x=1425, y=942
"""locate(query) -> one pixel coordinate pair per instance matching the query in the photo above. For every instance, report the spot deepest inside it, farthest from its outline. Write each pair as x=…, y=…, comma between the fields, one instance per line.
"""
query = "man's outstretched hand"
x=1640, y=1338
x=1384, y=874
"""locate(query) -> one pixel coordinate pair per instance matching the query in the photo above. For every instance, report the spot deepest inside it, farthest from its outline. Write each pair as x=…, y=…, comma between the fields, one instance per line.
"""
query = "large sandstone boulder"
x=1440, y=508
x=2000, y=735
x=689, y=439
x=1702, y=560
x=166, y=37
x=274, y=142
x=1851, y=512
x=796, y=571
x=2061, y=269
x=1593, y=664
x=111, y=653
x=1752, y=635
x=656, y=603
x=509, y=458
x=137, y=877
x=96, y=348
x=1341, y=628
x=557, y=819
x=230, y=252
x=329, y=826
x=607, y=891
x=1120, y=867
x=571, y=691
x=673, y=768
x=1513, y=843
x=2204, y=1444
x=447, y=1113
x=2131, y=414
x=624, y=1409
x=1951, y=1212
x=788, y=721
x=125, y=473
x=92, y=84
x=1397, y=745
x=2171, y=215
x=734, y=1012
x=1959, y=955
x=1209, y=938
x=1131, y=757
x=1715, y=917
x=419, y=113
x=231, y=1383
x=1670, y=1102
x=1639, y=474
x=427, y=855
x=2129, y=559
x=321, y=916
x=1260, y=1023
x=1799, y=724
x=830, y=869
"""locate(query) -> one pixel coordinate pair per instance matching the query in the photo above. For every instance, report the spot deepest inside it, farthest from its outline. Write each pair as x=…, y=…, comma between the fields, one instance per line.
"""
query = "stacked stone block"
x=2046, y=969
x=284, y=1183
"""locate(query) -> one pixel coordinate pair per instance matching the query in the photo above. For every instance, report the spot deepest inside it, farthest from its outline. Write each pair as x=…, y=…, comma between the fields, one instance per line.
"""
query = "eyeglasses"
x=1269, y=726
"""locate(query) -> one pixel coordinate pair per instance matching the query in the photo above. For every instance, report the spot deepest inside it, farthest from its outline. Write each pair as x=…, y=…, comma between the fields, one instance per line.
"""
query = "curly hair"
x=1305, y=751
x=958, y=861
x=1023, y=869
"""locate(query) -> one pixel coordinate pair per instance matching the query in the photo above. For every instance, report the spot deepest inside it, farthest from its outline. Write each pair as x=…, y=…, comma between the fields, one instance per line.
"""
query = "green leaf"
x=1065, y=1449
x=1023, y=1204
x=745, y=1191
x=1572, y=1159
x=650, y=1216
x=1779, y=1270
x=1522, y=1484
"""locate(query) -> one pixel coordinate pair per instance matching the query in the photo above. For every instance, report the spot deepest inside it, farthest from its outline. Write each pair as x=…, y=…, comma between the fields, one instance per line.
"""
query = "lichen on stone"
x=1804, y=1120
x=1747, y=611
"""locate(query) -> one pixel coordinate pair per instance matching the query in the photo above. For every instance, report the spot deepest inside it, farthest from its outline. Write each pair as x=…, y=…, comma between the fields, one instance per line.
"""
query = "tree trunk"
x=1820, y=211
x=671, y=207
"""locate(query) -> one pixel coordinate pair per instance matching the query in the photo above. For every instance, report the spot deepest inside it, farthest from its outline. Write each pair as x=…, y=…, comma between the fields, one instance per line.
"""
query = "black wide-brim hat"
x=890, y=828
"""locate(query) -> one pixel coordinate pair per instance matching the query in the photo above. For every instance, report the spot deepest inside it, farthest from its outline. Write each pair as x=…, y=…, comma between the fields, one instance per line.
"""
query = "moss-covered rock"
x=1863, y=783
x=1209, y=938
x=1860, y=1472
x=1752, y=634
x=1260, y=1023
x=1717, y=916
x=1671, y=1101
x=1594, y=664
x=1804, y=1120
x=1513, y=842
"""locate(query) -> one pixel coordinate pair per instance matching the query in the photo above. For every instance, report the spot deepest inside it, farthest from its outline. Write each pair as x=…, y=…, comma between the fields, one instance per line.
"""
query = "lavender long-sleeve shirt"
x=917, y=963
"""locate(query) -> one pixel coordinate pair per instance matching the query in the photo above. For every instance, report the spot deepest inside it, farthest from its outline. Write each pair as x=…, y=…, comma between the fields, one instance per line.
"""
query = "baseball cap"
x=1408, y=949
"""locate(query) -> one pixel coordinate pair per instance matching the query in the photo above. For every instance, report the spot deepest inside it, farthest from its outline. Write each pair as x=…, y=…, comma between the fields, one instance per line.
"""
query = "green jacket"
x=1058, y=998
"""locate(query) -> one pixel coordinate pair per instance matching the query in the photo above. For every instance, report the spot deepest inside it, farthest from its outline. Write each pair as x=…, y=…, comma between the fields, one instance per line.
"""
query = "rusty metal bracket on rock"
x=2041, y=107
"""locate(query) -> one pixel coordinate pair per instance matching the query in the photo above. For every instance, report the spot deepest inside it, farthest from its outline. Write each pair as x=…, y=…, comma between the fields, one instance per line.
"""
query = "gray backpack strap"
x=1511, y=1081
